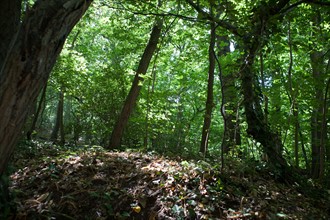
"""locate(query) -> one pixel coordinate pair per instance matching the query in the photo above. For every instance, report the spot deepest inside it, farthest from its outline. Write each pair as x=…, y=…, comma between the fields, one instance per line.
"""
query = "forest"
x=154, y=109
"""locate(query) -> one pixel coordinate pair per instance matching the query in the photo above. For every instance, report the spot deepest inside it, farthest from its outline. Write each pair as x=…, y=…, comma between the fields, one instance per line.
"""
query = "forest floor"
x=90, y=183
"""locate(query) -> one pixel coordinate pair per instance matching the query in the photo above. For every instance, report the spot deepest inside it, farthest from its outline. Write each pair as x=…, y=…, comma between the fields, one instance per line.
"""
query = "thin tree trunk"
x=178, y=133
x=324, y=134
x=209, y=100
x=59, y=118
x=29, y=60
x=146, y=134
x=264, y=156
x=151, y=89
x=293, y=102
x=131, y=99
x=229, y=101
x=303, y=148
x=263, y=86
x=36, y=116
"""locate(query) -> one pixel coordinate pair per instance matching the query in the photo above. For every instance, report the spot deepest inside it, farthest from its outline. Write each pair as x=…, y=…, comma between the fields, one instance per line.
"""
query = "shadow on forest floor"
x=91, y=183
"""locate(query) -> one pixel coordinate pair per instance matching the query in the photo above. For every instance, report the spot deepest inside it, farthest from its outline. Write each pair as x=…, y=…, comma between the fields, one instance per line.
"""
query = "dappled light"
x=97, y=184
x=171, y=110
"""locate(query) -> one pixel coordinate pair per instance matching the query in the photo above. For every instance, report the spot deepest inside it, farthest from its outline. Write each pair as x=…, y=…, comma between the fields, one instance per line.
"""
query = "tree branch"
x=291, y=7
x=317, y=2
x=233, y=29
x=168, y=14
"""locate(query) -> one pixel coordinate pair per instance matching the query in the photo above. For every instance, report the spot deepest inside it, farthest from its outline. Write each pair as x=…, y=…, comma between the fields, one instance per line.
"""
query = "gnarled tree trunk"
x=33, y=50
x=257, y=126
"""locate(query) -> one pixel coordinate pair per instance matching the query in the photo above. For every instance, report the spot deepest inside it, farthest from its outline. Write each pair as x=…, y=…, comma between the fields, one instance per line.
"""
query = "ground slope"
x=90, y=183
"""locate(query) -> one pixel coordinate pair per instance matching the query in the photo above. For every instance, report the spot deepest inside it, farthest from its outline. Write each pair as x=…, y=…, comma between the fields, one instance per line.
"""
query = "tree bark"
x=133, y=94
x=318, y=148
x=29, y=61
x=10, y=11
x=209, y=99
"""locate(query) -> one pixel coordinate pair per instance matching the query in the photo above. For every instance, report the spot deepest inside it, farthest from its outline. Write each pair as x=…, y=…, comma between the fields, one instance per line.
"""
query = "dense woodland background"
x=93, y=75
x=245, y=80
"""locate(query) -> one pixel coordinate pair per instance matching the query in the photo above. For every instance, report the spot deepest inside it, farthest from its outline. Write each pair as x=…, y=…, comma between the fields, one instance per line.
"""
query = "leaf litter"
x=91, y=183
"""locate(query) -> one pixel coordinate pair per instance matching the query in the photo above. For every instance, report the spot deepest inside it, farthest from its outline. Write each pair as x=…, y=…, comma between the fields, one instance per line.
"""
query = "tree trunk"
x=319, y=76
x=151, y=89
x=293, y=102
x=10, y=12
x=263, y=86
x=253, y=37
x=59, y=126
x=133, y=94
x=229, y=101
x=36, y=115
x=29, y=61
x=318, y=147
x=324, y=117
x=209, y=100
x=179, y=135
x=257, y=127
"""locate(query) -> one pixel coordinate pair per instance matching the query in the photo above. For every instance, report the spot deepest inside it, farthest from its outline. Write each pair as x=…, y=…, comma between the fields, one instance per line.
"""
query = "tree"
x=252, y=38
x=229, y=102
x=131, y=99
x=263, y=52
x=209, y=100
x=37, y=114
x=34, y=45
x=59, y=125
x=318, y=130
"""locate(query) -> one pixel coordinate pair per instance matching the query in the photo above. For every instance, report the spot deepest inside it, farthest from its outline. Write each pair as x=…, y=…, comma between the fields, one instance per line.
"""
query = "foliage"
x=97, y=64
x=95, y=70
